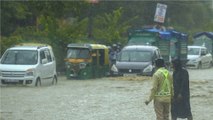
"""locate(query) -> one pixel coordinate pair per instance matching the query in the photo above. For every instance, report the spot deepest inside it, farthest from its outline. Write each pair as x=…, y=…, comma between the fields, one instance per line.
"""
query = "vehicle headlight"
x=82, y=65
x=148, y=68
x=29, y=72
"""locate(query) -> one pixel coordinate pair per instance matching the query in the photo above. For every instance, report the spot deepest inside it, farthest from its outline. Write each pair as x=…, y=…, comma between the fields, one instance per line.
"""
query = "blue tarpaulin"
x=168, y=34
x=208, y=34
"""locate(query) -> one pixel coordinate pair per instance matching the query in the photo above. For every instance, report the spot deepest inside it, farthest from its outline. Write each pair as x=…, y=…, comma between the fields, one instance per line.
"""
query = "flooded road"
x=115, y=98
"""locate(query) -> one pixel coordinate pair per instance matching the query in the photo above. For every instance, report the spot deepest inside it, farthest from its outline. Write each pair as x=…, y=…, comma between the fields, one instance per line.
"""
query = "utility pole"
x=90, y=16
x=90, y=22
x=0, y=47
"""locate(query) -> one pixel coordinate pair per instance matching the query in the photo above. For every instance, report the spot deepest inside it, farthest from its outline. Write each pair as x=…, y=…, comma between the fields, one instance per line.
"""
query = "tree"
x=59, y=23
x=109, y=28
x=13, y=14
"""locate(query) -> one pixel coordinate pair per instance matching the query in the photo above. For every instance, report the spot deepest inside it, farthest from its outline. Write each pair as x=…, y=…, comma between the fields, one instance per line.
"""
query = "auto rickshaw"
x=86, y=61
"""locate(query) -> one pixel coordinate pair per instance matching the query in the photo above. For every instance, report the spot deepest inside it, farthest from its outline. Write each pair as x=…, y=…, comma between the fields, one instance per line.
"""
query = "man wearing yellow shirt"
x=162, y=91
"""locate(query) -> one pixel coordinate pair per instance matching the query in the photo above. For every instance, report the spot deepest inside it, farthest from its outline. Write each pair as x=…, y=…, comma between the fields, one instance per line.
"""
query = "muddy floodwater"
x=110, y=98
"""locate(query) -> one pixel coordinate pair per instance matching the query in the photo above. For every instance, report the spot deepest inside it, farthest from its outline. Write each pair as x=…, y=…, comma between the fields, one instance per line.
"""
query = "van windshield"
x=193, y=51
x=136, y=56
x=20, y=57
x=77, y=53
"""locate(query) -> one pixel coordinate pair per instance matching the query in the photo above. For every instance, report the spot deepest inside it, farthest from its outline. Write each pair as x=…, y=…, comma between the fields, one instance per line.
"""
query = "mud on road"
x=116, y=98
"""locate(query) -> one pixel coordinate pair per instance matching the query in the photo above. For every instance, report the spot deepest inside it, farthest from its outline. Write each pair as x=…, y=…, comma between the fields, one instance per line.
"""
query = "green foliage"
x=7, y=42
x=208, y=26
x=109, y=27
x=72, y=29
x=57, y=33
x=59, y=23
x=12, y=15
x=188, y=15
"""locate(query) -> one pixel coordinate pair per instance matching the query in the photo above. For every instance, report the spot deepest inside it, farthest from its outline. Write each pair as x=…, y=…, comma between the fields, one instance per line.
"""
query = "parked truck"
x=172, y=44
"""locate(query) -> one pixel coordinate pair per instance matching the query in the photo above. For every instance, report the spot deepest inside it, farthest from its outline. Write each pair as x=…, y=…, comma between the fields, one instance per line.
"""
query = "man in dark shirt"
x=180, y=107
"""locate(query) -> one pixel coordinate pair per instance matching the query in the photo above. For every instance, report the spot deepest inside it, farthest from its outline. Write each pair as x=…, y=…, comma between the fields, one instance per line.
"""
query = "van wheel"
x=38, y=82
x=54, y=82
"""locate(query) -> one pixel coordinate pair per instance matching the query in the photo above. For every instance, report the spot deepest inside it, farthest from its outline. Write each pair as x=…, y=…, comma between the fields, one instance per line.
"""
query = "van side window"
x=47, y=53
x=42, y=56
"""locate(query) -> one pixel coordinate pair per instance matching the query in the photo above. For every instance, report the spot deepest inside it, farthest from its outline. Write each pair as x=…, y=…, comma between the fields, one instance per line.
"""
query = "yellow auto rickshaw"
x=86, y=61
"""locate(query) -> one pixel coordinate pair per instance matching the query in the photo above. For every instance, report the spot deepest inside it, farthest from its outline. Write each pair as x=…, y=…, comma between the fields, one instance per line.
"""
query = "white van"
x=198, y=57
x=28, y=64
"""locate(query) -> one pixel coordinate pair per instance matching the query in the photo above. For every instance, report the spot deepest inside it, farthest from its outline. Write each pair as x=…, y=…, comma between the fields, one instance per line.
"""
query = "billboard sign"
x=160, y=13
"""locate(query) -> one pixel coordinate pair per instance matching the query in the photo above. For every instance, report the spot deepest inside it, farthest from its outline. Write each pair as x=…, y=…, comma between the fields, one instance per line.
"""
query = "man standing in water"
x=180, y=107
x=162, y=91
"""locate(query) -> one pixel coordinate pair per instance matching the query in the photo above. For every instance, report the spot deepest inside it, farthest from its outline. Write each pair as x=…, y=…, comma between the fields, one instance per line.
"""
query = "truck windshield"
x=78, y=53
x=136, y=56
x=142, y=40
x=20, y=57
x=193, y=51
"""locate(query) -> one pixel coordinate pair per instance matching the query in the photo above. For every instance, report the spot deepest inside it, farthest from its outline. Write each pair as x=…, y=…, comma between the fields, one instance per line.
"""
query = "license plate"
x=8, y=80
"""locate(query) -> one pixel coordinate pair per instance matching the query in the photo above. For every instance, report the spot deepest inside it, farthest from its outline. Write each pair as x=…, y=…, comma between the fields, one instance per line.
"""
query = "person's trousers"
x=162, y=110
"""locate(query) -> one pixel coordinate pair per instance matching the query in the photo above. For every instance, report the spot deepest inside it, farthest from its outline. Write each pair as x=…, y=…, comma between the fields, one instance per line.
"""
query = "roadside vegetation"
x=59, y=23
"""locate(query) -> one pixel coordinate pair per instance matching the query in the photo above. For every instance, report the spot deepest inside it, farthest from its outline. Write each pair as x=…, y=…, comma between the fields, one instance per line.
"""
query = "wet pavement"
x=117, y=98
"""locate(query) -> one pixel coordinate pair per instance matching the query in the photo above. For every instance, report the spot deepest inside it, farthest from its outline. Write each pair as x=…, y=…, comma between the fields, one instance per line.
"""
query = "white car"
x=198, y=57
x=28, y=64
